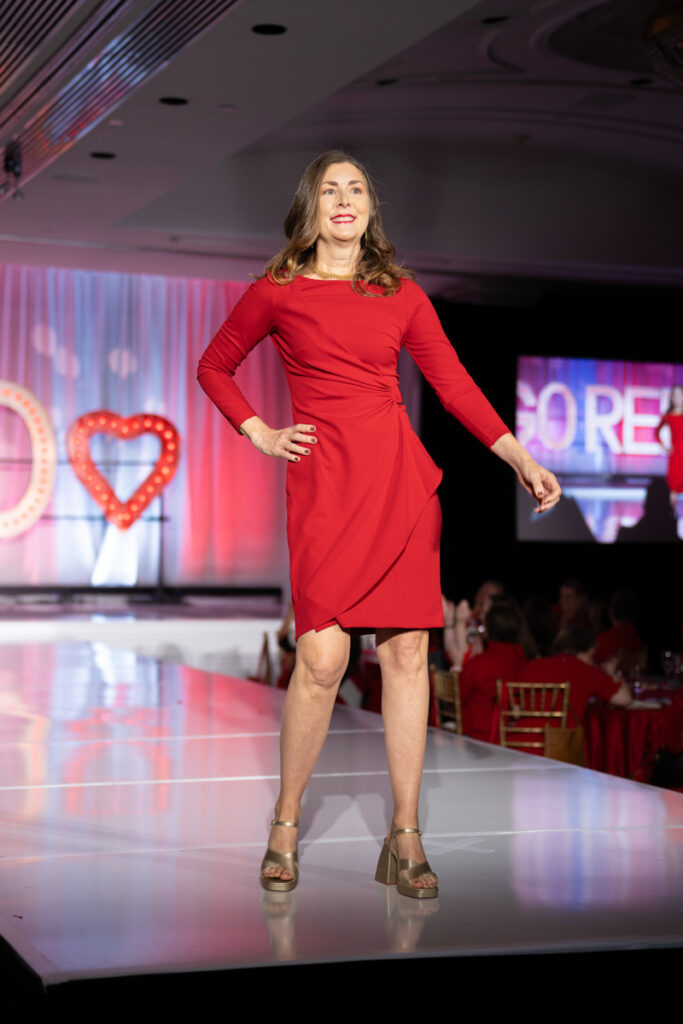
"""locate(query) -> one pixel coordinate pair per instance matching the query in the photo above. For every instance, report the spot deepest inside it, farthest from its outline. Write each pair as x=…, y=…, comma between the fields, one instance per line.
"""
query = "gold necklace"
x=333, y=277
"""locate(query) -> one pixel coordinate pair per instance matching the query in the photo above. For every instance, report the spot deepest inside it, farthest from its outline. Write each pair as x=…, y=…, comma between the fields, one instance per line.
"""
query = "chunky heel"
x=401, y=871
x=286, y=861
x=386, y=867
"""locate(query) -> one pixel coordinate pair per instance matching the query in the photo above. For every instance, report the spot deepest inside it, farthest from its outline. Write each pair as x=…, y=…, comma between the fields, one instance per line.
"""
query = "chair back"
x=447, y=702
x=534, y=704
x=264, y=670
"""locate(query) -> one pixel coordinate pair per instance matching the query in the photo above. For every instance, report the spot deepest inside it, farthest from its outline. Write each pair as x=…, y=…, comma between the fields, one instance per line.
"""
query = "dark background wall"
x=478, y=490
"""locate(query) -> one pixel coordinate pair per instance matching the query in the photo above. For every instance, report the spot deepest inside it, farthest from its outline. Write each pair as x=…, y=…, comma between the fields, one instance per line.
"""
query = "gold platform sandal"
x=392, y=870
x=286, y=861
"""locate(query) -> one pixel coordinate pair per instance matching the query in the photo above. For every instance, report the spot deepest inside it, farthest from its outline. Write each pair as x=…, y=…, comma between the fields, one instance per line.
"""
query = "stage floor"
x=134, y=807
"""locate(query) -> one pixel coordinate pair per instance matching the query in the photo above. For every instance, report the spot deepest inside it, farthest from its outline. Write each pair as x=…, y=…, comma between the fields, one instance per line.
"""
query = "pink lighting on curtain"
x=84, y=340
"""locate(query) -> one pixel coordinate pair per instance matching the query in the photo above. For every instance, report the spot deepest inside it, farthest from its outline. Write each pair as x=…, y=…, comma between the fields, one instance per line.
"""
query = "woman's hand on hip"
x=288, y=443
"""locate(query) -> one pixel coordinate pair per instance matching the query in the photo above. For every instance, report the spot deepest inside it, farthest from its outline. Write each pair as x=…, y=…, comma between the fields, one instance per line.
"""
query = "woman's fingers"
x=542, y=485
x=293, y=442
x=546, y=489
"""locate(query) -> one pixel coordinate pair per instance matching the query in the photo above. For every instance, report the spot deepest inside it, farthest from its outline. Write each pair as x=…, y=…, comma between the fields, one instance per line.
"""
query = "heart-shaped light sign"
x=122, y=513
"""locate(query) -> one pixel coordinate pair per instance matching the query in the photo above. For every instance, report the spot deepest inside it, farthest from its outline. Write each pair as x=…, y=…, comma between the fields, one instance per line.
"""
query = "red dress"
x=674, y=473
x=363, y=518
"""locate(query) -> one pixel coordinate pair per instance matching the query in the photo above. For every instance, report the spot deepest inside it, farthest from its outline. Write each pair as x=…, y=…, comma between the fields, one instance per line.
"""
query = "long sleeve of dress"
x=438, y=361
x=247, y=325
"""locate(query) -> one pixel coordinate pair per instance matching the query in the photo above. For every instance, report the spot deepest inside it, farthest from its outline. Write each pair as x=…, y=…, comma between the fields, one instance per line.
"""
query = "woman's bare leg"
x=405, y=708
x=320, y=662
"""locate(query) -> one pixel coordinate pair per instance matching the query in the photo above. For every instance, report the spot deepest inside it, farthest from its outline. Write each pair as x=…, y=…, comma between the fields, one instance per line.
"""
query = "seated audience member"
x=572, y=607
x=503, y=659
x=464, y=625
x=623, y=636
x=455, y=642
x=658, y=522
x=572, y=663
x=538, y=627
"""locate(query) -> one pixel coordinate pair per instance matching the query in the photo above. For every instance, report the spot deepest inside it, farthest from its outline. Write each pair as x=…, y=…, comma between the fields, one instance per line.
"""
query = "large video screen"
x=612, y=432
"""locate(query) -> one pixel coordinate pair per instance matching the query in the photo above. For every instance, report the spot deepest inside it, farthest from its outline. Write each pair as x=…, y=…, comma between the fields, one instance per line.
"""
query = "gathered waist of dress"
x=347, y=398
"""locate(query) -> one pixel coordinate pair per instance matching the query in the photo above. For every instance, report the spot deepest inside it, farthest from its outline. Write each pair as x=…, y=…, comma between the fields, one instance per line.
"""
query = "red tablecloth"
x=625, y=742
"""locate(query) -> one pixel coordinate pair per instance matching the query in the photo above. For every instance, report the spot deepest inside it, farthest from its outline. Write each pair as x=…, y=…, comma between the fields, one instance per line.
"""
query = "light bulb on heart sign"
x=102, y=421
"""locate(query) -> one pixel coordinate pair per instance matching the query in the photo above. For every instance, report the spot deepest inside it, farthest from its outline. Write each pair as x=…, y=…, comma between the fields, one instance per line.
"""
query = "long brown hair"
x=676, y=387
x=377, y=263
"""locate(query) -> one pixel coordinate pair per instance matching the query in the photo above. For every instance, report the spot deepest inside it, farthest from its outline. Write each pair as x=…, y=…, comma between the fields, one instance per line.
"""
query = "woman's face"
x=343, y=204
x=677, y=398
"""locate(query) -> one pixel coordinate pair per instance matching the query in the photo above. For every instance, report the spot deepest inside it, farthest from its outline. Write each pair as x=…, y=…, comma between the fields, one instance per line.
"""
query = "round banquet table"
x=625, y=741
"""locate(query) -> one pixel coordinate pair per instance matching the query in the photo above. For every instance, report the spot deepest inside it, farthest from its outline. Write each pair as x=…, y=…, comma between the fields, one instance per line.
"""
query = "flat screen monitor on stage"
x=600, y=426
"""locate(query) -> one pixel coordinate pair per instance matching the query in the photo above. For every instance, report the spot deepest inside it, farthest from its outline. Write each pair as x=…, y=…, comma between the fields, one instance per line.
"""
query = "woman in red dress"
x=673, y=418
x=363, y=518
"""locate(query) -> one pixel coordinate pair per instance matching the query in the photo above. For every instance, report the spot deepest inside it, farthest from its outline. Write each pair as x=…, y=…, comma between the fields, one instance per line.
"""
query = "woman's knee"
x=404, y=652
x=323, y=661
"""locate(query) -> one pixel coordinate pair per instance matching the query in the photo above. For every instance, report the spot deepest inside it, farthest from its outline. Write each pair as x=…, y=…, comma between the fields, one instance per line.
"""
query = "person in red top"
x=503, y=659
x=572, y=606
x=673, y=419
x=623, y=636
x=572, y=663
x=363, y=516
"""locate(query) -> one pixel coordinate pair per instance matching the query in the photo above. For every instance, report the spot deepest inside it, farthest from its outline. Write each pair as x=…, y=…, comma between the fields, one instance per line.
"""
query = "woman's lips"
x=343, y=218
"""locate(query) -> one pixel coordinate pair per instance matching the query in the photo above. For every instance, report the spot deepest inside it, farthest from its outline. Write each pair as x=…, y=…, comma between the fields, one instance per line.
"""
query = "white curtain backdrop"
x=82, y=341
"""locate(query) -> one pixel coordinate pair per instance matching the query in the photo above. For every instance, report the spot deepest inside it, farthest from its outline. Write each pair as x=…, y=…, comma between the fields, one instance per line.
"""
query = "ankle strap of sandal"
x=285, y=824
x=405, y=831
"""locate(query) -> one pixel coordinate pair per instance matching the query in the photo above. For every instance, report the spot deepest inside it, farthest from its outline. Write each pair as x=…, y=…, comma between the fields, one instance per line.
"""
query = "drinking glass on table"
x=635, y=680
x=668, y=663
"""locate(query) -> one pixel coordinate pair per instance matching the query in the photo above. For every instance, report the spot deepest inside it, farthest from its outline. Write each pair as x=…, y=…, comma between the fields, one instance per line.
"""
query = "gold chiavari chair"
x=540, y=703
x=447, y=700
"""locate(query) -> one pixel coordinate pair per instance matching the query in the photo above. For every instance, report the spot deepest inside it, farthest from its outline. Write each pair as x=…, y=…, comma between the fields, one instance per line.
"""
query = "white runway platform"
x=134, y=802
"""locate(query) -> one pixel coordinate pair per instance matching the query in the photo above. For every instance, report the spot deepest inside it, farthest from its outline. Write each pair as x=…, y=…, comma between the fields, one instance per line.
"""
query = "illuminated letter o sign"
x=35, y=499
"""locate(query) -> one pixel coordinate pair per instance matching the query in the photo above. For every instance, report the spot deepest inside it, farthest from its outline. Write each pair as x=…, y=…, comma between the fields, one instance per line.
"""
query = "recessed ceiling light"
x=268, y=30
x=101, y=155
x=495, y=19
x=173, y=101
